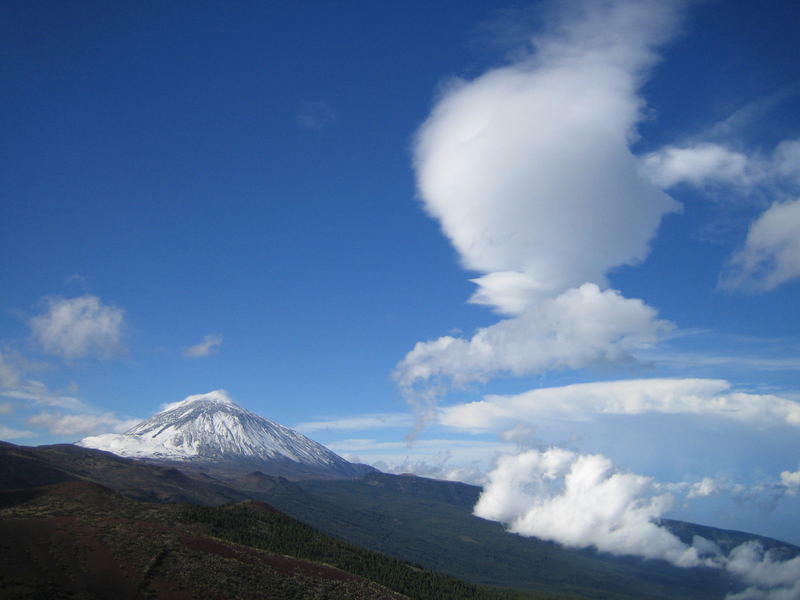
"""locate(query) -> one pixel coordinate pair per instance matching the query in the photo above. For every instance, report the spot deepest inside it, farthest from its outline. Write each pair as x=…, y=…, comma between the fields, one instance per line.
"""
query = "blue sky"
x=291, y=202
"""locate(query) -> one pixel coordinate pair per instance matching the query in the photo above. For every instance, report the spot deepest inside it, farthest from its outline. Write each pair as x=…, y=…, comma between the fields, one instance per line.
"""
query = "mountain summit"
x=212, y=428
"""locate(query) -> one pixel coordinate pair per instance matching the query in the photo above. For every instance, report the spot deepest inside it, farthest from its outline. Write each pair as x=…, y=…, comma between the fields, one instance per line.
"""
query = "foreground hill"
x=80, y=540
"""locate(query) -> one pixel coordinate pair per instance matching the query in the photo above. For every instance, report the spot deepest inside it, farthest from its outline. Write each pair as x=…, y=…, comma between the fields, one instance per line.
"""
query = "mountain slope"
x=80, y=540
x=423, y=521
x=25, y=467
x=212, y=429
x=431, y=523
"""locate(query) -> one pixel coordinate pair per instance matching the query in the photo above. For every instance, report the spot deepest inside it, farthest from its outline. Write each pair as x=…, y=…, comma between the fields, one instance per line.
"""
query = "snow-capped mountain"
x=211, y=428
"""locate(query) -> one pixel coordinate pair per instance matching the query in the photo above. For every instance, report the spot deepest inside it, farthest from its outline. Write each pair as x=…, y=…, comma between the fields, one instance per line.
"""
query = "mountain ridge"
x=424, y=521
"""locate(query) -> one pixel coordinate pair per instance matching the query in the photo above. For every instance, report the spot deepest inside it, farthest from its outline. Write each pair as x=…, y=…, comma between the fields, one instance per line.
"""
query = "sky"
x=463, y=239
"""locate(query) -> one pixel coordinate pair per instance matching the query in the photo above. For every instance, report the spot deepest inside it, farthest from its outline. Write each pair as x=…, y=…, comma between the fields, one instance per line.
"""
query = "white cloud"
x=786, y=160
x=703, y=163
x=581, y=501
x=771, y=253
x=712, y=397
x=581, y=327
x=791, y=479
x=452, y=459
x=354, y=423
x=435, y=467
x=6, y=408
x=214, y=395
x=6, y=433
x=529, y=171
x=38, y=393
x=770, y=577
x=697, y=164
x=210, y=344
x=706, y=487
x=528, y=167
x=78, y=327
x=80, y=424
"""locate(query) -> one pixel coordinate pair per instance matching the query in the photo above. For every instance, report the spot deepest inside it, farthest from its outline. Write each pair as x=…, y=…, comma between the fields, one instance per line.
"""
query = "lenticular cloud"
x=528, y=167
x=529, y=171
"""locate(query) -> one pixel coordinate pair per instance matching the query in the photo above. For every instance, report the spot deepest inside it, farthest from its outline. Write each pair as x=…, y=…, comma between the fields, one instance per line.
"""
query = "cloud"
x=211, y=343
x=9, y=372
x=528, y=170
x=712, y=397
x=80, y=424
x=583, y=501
x=770, y=577
x=38, y=393
x=771, y=253
x=764, y=495
x=711, y=163
x=528, y=167
x=355, y=423
x=435, y=467
x=215, y=395
x=315, y=115
x=697, y=165
x=791, y=479
x=581, y=327
x=451, y=459
x=79, y=327
x=580, y=501
x=6, y=433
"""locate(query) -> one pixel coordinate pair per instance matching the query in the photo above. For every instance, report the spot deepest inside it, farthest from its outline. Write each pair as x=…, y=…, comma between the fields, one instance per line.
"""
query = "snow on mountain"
x=212, y=428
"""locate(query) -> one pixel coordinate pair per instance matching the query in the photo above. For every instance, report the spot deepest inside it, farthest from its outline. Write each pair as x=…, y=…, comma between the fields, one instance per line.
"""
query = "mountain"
x=430, y=522
x=77, y=539
x=24, y=467
x=210, y=431
x=426, y=522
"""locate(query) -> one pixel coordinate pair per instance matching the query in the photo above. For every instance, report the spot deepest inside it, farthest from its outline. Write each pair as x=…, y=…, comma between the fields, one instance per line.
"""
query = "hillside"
x=80, y=540
x=426, y=522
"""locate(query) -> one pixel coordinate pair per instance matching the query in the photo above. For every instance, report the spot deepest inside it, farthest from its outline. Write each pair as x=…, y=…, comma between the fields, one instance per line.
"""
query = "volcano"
x=212, y=430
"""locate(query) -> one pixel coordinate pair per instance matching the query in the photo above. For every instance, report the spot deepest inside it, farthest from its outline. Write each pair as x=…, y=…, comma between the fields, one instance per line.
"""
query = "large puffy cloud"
x=580, y=327
x=583, y=501
x=78, y=327
x=771, y=253
x=528, y=167
x=580, y=501
x=529, y=171
x=712, y=397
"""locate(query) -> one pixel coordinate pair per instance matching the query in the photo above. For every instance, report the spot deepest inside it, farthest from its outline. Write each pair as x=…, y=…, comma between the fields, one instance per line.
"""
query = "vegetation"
x=80, y=540
x=250, y=524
